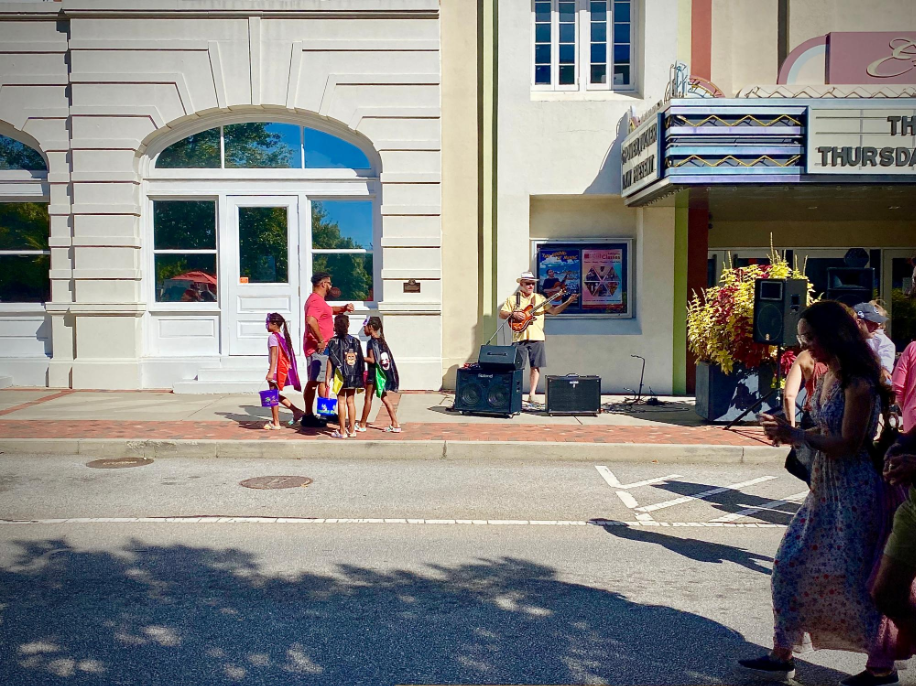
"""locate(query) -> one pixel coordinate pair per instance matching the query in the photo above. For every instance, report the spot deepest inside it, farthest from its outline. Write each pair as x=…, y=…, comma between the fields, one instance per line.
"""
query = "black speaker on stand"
x=778, y=304
x=488, y=391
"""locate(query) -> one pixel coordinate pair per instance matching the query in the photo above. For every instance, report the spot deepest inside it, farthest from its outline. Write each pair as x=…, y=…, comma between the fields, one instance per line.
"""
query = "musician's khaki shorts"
x=535, y=352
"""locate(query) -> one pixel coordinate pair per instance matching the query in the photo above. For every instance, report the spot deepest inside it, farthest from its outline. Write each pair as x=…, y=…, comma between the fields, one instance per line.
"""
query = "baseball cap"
x=867, y=312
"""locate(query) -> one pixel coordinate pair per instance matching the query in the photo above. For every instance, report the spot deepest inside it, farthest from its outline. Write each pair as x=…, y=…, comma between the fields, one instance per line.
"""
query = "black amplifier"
x=500, y=357
x=573, y=395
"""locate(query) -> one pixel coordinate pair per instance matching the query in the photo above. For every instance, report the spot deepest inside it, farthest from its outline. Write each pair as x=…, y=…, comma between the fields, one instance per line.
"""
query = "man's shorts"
x=901, y=545
x=535, y=352
x=316, y=367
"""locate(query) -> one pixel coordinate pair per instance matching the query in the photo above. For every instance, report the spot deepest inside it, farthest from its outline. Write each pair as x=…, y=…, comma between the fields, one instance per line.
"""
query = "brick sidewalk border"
x=481, y=432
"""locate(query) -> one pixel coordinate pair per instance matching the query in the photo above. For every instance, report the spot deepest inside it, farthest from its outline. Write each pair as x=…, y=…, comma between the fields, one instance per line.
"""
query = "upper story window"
x=583, y=45
x=260, y=145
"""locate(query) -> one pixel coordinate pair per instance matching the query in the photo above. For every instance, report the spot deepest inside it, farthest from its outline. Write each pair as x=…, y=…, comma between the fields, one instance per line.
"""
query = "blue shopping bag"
x=327, y=407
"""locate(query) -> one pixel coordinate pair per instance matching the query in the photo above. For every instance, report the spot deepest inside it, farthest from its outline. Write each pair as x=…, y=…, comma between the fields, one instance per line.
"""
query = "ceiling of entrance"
x=813, y=202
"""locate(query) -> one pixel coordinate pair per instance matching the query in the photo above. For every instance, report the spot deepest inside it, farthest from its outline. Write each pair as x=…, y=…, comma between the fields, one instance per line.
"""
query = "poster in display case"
x=598, y=271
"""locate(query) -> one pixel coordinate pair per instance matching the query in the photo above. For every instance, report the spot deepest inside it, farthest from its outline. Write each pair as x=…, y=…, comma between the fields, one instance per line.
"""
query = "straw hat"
x=527, y=275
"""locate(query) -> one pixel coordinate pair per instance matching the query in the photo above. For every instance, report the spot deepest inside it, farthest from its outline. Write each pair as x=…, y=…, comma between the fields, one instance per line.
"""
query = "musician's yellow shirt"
x=536, y=330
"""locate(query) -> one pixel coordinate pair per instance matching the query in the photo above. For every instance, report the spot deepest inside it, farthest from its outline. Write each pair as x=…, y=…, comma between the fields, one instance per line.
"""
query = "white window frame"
x=215, y=252
x=583, y=81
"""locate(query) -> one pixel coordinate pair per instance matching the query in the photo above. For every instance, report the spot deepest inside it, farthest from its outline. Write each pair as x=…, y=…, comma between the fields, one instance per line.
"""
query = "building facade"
x=172, y=170
x=195, y=162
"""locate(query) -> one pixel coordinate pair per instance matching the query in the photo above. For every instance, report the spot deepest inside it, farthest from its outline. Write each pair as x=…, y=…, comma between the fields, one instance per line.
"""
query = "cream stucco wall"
x=460, y=204
x=558, y=175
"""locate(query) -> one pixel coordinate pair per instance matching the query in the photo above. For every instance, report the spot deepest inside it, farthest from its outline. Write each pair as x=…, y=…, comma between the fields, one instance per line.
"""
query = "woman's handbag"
x=798, y=462
x=879, y=447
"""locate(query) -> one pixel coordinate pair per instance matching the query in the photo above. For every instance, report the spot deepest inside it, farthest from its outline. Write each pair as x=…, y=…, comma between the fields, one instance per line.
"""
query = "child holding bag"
x=346, y=359
x=383, y=374
x=282, y=367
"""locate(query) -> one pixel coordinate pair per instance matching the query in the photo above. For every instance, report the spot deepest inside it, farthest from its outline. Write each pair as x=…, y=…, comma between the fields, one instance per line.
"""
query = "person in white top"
x=871, y=321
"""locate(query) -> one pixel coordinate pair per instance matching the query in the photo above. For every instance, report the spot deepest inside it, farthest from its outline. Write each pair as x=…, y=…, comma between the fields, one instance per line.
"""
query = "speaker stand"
x=764, y=397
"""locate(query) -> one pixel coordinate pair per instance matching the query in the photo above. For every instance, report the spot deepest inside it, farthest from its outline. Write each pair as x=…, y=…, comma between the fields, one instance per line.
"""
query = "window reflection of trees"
x=351, y=272
x=24, y=277
x=185, y=225
x=16, y=155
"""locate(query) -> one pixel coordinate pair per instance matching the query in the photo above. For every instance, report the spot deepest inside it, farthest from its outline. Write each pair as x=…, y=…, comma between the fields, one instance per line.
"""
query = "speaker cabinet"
x=488, y=391
x=500, y=357
x=777, y=306
x=850, y=286
x=573, y=395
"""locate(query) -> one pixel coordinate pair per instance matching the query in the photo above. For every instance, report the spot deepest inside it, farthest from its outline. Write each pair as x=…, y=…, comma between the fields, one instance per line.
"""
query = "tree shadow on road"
x=153, y=614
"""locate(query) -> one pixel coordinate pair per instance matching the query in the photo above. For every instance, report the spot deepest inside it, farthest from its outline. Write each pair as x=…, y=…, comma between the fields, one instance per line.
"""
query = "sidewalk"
x=162, y=423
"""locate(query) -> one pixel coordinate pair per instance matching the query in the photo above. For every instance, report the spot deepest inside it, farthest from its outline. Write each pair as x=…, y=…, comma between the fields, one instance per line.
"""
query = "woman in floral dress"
x=824, y=564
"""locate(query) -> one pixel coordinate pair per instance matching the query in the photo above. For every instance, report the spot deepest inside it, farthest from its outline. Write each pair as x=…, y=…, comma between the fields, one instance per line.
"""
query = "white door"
x=263, y=263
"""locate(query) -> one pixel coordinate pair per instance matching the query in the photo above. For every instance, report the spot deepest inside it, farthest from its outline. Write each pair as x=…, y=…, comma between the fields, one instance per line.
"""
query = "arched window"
x=241, y=216
x=15, y=155
x=25, y=257
x=261, y=145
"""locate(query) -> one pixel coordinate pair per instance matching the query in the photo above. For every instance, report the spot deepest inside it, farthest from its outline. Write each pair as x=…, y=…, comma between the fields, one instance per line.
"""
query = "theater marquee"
x=862, y=141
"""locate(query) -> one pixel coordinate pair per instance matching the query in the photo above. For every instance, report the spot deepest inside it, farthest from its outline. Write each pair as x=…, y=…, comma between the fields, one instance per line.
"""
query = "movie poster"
x=558, y=272
x=602, y=281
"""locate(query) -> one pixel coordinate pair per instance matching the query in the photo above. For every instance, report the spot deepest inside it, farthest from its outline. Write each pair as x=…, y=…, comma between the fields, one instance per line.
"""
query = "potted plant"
x=733, y=371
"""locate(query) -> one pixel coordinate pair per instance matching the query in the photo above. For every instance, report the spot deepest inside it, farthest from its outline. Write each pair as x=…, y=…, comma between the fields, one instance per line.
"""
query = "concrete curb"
x=473, y=451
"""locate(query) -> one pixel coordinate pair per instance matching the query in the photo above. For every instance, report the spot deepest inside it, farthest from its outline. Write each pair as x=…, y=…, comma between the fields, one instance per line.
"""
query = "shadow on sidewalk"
x=152, y=614
x=693, y=549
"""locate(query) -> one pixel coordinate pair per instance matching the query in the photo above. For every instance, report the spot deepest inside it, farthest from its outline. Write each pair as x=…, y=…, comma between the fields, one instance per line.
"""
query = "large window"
x=583, y=45
x=342, y=245
x=24, y=253
x=261, y=145
x=184, y=246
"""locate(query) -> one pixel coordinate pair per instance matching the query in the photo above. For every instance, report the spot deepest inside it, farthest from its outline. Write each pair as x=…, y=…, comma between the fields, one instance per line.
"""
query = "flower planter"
x=723, y=397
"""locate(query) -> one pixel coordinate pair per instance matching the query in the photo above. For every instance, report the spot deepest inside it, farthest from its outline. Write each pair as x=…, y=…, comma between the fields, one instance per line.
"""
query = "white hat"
x=527, y=275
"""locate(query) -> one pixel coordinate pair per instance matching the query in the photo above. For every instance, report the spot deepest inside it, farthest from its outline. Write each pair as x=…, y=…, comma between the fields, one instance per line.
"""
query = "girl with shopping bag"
x=383, y=374
x=282, y=370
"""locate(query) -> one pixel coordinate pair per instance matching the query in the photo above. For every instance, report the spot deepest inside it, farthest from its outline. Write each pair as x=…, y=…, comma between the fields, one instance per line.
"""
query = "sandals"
x=393, y=430
x=337, y=435
x=352, y=435
x=272, y=426
x=360, y=428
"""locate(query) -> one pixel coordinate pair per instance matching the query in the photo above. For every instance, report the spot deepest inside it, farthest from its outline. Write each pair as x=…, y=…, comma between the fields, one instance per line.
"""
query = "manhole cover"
x=276, y=482
x=126, y=462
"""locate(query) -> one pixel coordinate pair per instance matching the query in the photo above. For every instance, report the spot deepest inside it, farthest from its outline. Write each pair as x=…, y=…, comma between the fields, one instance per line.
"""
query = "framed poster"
x=598, y=271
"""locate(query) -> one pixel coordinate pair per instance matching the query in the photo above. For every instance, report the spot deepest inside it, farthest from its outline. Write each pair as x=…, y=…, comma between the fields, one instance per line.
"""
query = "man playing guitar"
x=530, y=340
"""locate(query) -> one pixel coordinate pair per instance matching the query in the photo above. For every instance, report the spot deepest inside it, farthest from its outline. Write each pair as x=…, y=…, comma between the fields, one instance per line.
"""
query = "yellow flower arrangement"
x=720, y=321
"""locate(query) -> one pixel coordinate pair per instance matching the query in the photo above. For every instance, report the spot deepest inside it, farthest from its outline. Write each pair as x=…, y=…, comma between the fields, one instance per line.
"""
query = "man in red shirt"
x=319, y=329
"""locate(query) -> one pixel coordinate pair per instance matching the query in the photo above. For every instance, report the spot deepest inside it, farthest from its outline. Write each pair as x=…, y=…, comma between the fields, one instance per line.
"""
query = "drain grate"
x=124, y=462
x=276, y=482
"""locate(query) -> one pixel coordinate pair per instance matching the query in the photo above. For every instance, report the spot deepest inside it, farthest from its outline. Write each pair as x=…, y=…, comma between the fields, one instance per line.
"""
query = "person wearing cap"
x=531, y=341
x=870, y=321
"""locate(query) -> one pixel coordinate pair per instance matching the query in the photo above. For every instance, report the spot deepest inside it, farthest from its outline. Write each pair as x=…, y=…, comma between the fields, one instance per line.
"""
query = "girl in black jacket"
x=346, y=358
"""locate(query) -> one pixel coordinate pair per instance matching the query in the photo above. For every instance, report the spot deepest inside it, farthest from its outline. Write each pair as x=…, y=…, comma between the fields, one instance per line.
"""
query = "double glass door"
x=263, y=259
x=899, y=294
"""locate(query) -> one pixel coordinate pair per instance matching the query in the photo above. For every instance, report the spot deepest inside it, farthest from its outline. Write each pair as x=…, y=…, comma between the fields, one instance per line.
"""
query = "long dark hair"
x=375, y=323
x=839, y=336
x=278, y=320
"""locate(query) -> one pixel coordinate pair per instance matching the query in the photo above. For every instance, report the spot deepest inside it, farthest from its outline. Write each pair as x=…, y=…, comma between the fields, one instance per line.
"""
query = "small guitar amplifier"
x=500, y=357
x=573, y=395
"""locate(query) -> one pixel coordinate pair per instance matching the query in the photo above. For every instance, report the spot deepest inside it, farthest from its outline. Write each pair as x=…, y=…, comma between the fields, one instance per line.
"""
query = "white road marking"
x=769, y=505
x=705, y=493
x=627, y=499
x=611, y=479
x=300, y=520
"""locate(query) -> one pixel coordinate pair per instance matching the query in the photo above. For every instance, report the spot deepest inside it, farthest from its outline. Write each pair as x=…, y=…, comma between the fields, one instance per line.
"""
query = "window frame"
x=583, y=83
x=7, y=176
x=312, y=251
x=260, y=172
x=215, y=251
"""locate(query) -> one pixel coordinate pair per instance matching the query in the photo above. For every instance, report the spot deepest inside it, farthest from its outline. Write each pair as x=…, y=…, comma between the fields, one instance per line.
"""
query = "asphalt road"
x=390, y=573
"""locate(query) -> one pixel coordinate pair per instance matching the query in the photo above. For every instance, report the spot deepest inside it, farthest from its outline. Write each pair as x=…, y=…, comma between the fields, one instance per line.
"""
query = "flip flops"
x=393, y=430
